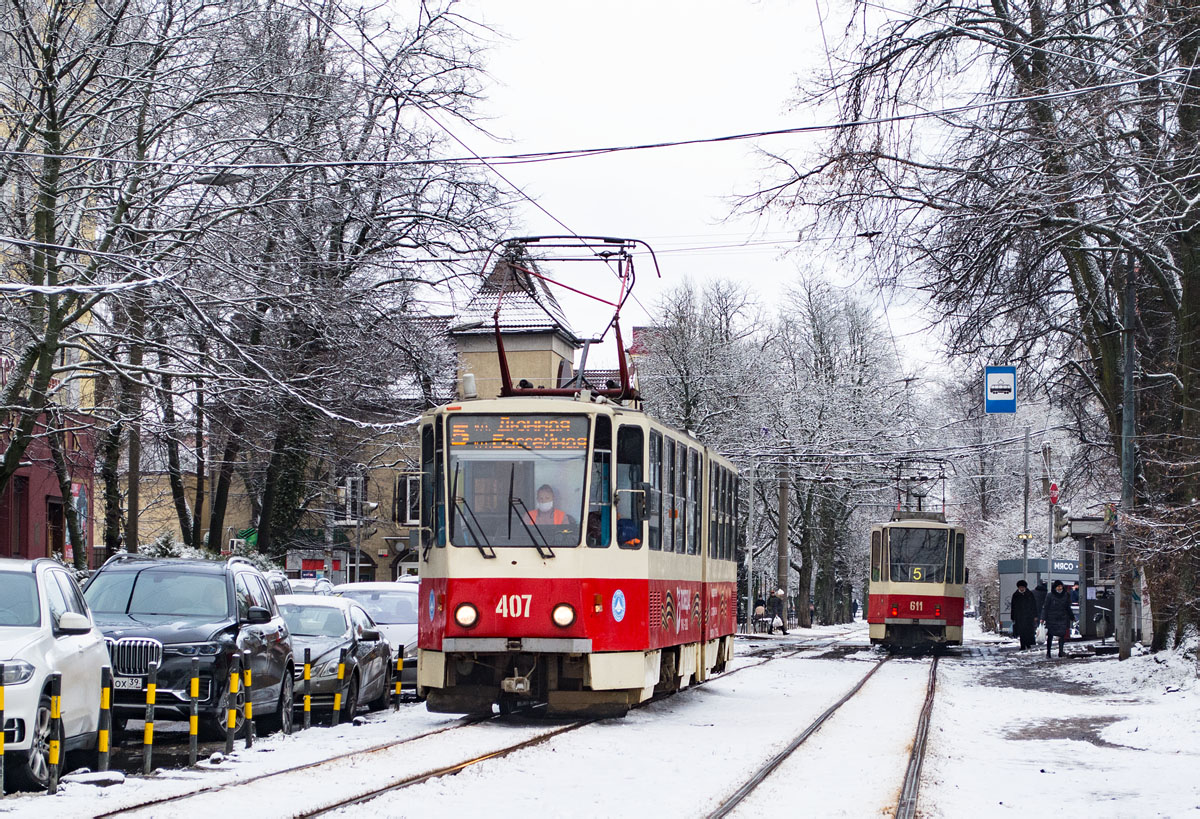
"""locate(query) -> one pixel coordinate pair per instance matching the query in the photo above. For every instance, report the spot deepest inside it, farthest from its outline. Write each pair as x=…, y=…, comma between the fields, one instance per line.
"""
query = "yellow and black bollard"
x=399, y=683
x=231, y=709
x=56, y=731
x=194, y=713
x=2, y=729
x=249, y=704
x=104, y=729
x=148, y=734
x=307, y=688
x=337, y=692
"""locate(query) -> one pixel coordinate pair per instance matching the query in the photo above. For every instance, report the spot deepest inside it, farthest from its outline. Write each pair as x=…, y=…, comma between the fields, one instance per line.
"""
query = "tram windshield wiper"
x=476, y=532
x=535, y=534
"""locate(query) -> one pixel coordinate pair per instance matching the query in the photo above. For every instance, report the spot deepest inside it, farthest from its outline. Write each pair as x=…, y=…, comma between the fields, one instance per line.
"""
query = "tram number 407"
x=514, y=605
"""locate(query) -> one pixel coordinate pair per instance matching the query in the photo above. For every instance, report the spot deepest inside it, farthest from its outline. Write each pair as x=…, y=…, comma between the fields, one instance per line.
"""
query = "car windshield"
x=313, y=621
x=385, y=606
x=160, y=592
x=517, y=480
x=18, y=600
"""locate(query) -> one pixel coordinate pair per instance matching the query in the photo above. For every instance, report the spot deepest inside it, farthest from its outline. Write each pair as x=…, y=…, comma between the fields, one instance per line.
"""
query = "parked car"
x=279, y=583
x=45, y=627
x=393, y=606
x=312, y=585
x=324, y=625
x=170, y=610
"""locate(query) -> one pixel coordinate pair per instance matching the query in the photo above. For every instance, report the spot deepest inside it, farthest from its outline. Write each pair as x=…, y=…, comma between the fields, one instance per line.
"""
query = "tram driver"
x=547, y=513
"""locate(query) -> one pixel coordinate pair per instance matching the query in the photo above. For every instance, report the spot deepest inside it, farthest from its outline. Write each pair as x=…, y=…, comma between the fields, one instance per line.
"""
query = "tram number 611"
x=514, y=605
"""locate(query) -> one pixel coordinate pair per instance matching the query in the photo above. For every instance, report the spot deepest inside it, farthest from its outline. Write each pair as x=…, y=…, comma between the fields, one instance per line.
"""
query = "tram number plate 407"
x=127, y=683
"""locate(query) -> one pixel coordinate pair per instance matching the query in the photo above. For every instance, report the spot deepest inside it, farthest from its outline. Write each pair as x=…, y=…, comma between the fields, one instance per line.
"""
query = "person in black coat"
x=1057, y=616
x=1024, y=614
x=1039, y=594
x=776, y=608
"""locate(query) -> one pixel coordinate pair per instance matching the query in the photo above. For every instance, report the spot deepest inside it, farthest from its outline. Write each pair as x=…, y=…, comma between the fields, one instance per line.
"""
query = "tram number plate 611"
x=514, y=605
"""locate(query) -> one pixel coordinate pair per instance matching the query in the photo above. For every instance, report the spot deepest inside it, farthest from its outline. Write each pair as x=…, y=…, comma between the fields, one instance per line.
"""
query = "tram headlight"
x=466, y=615
x=563, y=615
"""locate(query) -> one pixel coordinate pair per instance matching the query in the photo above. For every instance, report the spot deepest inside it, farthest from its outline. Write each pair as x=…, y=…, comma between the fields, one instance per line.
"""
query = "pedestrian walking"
x=853, y=609
x=1024, y=614
x=1039, y=594
x=776, y=608
x=1056, y=614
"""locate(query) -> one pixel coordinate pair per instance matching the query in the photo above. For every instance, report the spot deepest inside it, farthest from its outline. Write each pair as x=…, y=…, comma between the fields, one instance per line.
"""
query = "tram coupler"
x=516, y=685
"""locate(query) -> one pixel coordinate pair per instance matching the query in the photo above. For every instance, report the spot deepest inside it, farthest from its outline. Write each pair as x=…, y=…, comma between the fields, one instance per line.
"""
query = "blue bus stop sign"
x=999, y=389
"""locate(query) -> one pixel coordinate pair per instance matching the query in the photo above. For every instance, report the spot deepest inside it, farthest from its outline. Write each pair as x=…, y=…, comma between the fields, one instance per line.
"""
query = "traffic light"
x=1062, y=526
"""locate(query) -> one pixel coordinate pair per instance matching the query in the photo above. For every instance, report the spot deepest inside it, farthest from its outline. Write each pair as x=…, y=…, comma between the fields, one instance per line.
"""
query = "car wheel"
x=218, y=721
x=32, y=769
x=381, y=702
x=350, y=700
x=283, y=718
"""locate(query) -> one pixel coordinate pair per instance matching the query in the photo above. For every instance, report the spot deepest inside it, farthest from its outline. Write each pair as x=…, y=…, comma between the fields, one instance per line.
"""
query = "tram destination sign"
x=1000, y=389
x=557, y=432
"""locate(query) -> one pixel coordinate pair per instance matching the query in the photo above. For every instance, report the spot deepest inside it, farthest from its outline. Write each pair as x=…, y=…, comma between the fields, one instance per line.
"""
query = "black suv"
x=169, y=610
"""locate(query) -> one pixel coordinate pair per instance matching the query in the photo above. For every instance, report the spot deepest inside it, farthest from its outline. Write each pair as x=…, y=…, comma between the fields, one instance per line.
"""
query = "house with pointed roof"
x=537, y=338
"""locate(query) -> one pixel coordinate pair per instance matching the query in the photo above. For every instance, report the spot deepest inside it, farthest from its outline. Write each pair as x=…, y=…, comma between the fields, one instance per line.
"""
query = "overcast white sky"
x=578, y=74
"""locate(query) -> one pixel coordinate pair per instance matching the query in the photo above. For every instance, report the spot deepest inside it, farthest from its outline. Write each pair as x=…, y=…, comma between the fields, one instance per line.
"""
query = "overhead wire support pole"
x=1124, y=603
x=1025, y=529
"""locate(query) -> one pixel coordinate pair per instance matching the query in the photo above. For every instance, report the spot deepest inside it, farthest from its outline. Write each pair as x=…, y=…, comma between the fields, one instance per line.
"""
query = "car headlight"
x=193, y=649
x=563, y=615
x=325, y=668
x=466, y=615
x=17, y=672
x=410, y=652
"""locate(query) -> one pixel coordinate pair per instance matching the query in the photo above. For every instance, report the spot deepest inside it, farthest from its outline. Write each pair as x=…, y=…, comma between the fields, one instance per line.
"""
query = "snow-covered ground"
x=1011, y=733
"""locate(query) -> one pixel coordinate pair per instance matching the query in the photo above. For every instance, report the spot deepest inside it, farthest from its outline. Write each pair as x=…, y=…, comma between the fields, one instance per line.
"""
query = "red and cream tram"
x=575, y=553
x=915, y=598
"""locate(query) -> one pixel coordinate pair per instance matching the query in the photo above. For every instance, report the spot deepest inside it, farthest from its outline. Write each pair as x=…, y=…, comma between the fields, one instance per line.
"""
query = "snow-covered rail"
x=768, y=767
x=907, y=808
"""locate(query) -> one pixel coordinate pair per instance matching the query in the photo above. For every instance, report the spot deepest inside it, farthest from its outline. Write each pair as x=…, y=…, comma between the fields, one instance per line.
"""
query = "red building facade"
x=32, y=507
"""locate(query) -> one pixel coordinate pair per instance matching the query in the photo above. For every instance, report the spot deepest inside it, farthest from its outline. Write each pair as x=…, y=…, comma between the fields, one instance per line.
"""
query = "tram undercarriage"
x=601, y=684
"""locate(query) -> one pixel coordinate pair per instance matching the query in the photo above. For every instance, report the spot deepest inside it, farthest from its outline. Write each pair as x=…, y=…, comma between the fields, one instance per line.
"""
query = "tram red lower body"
x=615, y=614
x=884, y=607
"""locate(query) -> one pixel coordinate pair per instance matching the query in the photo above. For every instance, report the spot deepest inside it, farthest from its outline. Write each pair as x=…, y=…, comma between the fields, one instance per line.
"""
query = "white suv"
x=45, y=626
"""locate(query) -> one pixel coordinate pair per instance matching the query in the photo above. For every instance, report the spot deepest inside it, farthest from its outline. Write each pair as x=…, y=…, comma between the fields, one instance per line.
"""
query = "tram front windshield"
x=917, y=555
x=516, y=480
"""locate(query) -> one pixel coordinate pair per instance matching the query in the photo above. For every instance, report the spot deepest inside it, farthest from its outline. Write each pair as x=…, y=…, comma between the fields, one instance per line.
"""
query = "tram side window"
x=433, y=511
x=736, y=518
x=719, y=514
x=959, y=557
x=693, y=500
x=681, y=490
x=654, y=504
x=630, y=460
x=727, y=510
x=876, y=554
x=669, y=496
x=599, y=518
x=712, y=511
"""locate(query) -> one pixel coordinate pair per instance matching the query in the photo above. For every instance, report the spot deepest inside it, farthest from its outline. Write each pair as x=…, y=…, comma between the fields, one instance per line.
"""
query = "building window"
x=406, y=499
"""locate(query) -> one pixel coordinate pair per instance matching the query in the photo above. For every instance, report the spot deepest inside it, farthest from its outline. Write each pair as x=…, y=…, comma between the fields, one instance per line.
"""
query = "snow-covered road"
x=1010, y=731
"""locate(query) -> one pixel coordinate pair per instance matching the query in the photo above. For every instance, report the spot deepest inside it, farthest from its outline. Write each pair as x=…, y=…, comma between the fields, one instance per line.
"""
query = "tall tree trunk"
x=74, y=533
x=171, y=430
x=201, y=491
x=216, y=522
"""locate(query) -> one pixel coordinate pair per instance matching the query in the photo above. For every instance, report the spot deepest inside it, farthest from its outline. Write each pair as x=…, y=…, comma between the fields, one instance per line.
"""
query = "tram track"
x=192, y=801
x=909, y=789
x=295, y=769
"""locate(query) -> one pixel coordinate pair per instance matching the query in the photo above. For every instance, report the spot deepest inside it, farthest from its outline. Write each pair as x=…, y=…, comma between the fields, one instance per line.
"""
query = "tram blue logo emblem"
x=618, y=605
x=432, y=607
